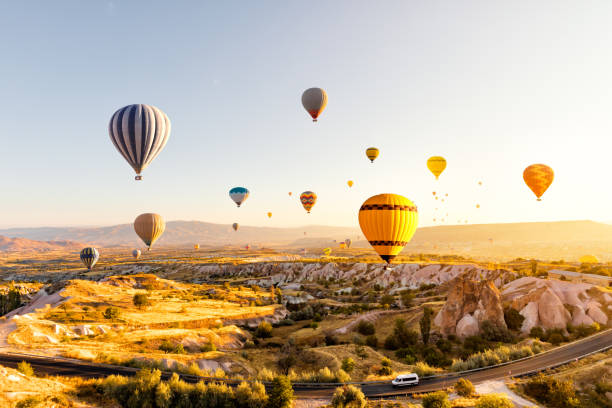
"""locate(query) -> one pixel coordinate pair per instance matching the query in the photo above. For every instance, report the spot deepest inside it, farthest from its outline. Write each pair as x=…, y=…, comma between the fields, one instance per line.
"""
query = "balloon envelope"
x=372, y=153
x=314, y=101
x=436, y=164
x=239, y=195
x=196, y=246
x=538, y=178
x=348, y=242
x=388, y=222
x=89, y=257
x=308, y=199
x=235, y=226
x=350, y=183
x=589, y=259
x=139, y=132
x=149, y=227
x=269, y=215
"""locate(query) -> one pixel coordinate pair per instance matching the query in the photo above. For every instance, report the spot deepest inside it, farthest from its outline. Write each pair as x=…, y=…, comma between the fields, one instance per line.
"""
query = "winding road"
x=555, y=357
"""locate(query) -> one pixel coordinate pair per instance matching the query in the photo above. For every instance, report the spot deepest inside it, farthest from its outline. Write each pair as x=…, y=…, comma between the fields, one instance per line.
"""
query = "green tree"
x=25, y=368
x=141, y=300
x=264, y=330
x=494, y=401
x=366, y=328
x=407, y=296
x=348, y=396
x=348, y=364
x=438, y=399
x=514, y=320
x=464, y=387
x=372, y=341
x=111, y=313
x=281, y=395
x=425, y=324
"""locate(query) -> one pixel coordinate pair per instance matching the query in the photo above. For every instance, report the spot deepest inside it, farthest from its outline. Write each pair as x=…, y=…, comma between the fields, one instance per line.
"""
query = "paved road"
x=67, y=367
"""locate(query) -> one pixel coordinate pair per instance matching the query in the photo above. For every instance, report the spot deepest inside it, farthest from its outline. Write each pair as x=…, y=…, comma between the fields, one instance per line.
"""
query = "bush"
x=366, y=328
x=281, y=395
x=286, y=322
x=141, y=300
x=331, y=340
x=496, y=356
x=464, y=388
x=444, y=345
x=313, y=325
x=348, y=364
x=493, y=332
x=434, y=357
x=348, y=396
x=209, y=347
x=264, y=330
x=552, y=392
x=372, y=341
x=387, y=300
x=537, y=333
x=111, y=313
x=556, y=339
x=385, y=368
x=401, y=336
x=25, y=368
x=438, y=399
x=424, y=370
x=514, y=320
x=494, y=401
x=168, y=347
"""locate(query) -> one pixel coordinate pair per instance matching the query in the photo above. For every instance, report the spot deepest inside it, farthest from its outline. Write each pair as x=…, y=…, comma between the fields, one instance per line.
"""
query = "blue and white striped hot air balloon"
x=239, y=194
x=139, y=132
x=89, y=257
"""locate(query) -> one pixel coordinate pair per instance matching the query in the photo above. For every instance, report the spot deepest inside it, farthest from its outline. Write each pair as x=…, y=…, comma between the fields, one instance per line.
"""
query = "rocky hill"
x=28, y=245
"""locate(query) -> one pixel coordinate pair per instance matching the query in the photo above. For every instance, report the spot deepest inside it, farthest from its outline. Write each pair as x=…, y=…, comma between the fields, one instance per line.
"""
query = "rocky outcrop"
x=470, y=302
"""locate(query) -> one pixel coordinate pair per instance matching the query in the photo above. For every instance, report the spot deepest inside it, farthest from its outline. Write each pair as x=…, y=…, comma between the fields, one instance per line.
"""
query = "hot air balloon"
x=314, y=101
x=269, y=215
x=480, y=183
x=196, y=246
x=308, y=199
x=149, y=227
x=235, y=226
x=538, y=178
x=350, y=183
x=348, y=242
x=342, y=245
x=327, y=251
x=388, y=222
x=136, y=253
x=290, y=193
x=139, y=132
x=436, y=164
x=477, y=205
x=589, y=259
x=433, y=192
x=372, y=153
x=247, y=247
x=239, y=195
x=89, y=257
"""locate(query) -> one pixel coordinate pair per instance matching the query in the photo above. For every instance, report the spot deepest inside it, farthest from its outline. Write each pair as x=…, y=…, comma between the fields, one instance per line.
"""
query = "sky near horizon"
x=492, y=86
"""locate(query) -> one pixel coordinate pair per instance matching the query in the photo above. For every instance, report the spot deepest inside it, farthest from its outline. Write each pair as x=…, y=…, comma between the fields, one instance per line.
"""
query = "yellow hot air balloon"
x=327, y=251
x=350, y=183
x=436, y=164
x=342, y=245
x=269, y=215
x=589, y=259
x=196, y=246
x=477, y=205
x=388, y=222
x=149, y=227
x=372, y=153
x=538, y=178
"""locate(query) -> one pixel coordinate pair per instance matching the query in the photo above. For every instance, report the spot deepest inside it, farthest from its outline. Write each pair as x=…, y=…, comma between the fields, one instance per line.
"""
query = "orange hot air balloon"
x=308, y=199
x=477, y=205
x=350, y=183
x=269, y=215
x=538, y=178
x=290, y=193
x=433, y=192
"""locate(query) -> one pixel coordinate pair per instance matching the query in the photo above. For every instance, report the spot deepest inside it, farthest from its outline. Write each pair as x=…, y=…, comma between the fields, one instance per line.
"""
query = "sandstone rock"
x=551, y=312
x=210, y=365
x=595, y=313
x=467, y=326
x=530, y=313
x=579, y=317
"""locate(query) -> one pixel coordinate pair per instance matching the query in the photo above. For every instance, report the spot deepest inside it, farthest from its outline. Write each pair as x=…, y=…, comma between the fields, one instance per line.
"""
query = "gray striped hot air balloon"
x=139, y=132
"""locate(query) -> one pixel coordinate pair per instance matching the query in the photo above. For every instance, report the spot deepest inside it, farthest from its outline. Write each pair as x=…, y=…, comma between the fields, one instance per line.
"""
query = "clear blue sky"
x=491, y=85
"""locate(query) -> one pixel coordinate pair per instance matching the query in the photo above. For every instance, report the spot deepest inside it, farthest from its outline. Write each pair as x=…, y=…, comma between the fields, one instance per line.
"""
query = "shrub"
x=348, y=396
x=537, y=333
x=331, y=340
x=438, y=399
x=387, y=300
x=111, y=313
x=464, y=387
x=141, y=300
x=496, y=356
x=25, y=368
x=434, y=357
x=286, y=362
x=372, y=341
x=209, y=347
x=264, y=330
x=348, y=364
x=494, y=401
x=514, y=320
x=281, y=395
x=424, y=370
x=401, y=336
x=385, y=368
x=286, y=322
x=493, y=332
x=556, y=338
x=552, y=392
x=366, y=328
x=444, y=345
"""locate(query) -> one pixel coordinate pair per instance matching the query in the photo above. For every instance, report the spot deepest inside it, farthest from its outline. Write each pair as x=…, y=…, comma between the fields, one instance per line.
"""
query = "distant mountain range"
x=550, y=240
x=28, y=245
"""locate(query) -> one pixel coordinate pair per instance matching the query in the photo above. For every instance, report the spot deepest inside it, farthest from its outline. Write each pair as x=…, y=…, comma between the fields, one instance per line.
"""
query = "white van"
x=403, y=380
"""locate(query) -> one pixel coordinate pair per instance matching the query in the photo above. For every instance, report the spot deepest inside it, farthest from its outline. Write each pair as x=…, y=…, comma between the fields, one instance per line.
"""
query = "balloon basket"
x=138, y=177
